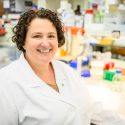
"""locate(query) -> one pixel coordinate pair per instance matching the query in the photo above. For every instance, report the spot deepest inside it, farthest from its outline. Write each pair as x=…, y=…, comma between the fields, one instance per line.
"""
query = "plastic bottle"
x=68, y=16
x=88, y=17
x=117, y=76
x=118, y=87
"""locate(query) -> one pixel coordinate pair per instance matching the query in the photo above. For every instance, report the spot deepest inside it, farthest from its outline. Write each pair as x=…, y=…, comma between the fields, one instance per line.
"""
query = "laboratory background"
x=95, y=42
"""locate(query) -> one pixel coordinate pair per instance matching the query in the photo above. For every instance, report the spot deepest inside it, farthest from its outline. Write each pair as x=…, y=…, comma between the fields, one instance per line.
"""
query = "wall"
x=53, y=4
x=19, y=5
x=41, y=3
x=76, y=2
x=50, y=4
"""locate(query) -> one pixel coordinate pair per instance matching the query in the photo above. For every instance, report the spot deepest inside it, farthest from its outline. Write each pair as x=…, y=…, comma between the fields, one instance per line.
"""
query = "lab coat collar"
x=35, y=82
x=28, y=74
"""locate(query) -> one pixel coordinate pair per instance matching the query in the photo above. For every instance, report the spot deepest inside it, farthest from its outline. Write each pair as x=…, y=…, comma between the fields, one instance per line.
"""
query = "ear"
x=24, y=47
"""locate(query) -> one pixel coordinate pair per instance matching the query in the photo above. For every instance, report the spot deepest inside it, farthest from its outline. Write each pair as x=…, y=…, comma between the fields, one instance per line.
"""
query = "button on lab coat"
x=27, y=100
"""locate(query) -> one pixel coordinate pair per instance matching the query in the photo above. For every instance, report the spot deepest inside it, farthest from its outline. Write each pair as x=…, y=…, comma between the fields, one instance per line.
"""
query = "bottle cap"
x=118, y=71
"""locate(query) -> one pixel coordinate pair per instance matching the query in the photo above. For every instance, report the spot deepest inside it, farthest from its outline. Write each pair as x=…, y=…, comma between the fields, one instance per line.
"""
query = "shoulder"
x=8, y=111
x=7, y=70
x=7, y=73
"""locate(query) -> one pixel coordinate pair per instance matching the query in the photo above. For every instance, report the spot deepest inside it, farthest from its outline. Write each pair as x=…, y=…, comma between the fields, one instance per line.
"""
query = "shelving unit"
x=12, y=5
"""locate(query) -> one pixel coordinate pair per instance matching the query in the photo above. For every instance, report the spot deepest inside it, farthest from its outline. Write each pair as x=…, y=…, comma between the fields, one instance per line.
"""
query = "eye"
x=51, y=36
x=37, y=36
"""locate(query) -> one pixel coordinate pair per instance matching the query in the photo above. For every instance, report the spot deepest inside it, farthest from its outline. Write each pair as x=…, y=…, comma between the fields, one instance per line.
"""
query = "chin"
x=45, y=62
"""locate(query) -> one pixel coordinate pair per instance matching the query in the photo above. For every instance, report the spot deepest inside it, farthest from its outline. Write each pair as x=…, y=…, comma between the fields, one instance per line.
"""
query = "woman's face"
x=41, y=42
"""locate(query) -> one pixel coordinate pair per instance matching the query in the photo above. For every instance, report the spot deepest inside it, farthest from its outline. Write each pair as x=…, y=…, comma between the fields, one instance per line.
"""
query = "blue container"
x=73, y=64
x=85, y=73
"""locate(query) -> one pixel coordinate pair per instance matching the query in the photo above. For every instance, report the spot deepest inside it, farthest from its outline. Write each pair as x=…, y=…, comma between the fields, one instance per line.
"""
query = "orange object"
x=123, y=71
x=89, y=11
x=74, y=30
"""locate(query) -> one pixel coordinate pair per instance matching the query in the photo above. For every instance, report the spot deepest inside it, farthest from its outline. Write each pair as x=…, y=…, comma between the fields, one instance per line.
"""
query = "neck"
x=41, y=70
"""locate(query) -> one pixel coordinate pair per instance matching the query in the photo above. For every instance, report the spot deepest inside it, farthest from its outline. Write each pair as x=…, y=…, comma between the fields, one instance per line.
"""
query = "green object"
x=108, y=75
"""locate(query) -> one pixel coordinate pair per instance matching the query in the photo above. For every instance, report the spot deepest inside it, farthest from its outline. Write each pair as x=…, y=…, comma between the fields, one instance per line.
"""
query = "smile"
x=44, y=50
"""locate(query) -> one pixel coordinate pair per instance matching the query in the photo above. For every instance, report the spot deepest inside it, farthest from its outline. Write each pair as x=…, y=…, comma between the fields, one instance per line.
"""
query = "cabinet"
x=1, y=8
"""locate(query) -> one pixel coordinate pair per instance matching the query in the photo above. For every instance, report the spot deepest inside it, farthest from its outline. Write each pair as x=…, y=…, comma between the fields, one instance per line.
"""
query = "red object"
x=89, y=11
x=109, y=65
x=95, y=6
x=2, y=31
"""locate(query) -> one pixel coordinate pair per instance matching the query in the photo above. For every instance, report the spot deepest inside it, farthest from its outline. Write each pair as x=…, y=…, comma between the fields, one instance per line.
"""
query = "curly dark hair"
x=20, y=30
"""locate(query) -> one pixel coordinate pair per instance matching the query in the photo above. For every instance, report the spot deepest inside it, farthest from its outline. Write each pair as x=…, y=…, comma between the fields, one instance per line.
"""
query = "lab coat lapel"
x=32, y=80
x=62, y=82
x=60, y=78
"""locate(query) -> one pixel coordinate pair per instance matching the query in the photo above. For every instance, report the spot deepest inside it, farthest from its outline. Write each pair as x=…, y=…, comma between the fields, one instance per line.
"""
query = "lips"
x=44, y=50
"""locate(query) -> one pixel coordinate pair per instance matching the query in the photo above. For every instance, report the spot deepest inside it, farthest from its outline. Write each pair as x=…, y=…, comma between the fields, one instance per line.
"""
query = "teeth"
x=45, y=51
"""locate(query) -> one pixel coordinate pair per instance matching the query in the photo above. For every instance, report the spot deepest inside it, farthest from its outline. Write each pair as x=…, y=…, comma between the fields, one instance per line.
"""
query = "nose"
x=44, y=42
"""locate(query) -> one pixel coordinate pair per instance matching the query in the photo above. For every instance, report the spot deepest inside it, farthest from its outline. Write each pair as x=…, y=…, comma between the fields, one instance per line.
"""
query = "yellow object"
x=62, y=52
x=106, y=41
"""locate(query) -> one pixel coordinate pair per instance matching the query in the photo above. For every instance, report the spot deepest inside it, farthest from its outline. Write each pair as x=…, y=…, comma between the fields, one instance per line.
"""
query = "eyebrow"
x=39, y=33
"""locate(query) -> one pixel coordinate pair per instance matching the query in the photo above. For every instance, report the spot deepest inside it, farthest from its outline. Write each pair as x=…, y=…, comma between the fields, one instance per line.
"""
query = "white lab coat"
x=27, y=100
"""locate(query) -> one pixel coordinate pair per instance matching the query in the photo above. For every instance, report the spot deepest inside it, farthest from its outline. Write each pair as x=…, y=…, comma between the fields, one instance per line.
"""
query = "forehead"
x=41, y=22
x=40, y=25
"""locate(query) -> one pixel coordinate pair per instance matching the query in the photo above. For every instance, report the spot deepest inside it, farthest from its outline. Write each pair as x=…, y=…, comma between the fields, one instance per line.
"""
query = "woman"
x=38, y=90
